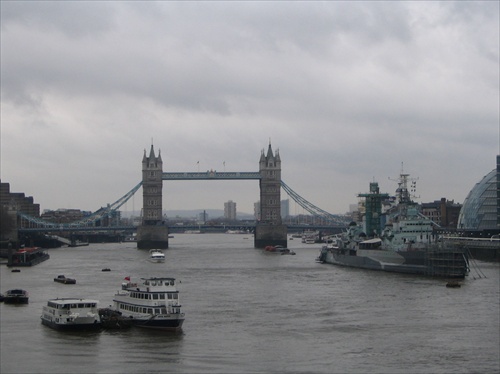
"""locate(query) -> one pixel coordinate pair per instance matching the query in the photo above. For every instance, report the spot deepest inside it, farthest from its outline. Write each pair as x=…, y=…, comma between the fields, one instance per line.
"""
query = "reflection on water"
x=252, y=311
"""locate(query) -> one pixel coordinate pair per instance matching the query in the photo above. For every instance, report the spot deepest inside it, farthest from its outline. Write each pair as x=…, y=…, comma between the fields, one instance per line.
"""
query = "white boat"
x=152, y=303
x=156, y=255
x=71, y=314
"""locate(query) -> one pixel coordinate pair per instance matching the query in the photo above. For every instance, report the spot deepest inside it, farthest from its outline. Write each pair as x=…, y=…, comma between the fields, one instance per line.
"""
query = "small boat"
x=274, y=248
x=279, y=249
x=16, y=296
x=71, y=314
x=15, y=270
x=156, y=255
x=152, y=303
x=63, y=279
x=106, y=269
x=2, y=297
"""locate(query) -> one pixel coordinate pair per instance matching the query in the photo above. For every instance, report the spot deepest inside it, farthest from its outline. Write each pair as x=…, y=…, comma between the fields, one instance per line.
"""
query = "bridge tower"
x=270, y=230
x=153, y=233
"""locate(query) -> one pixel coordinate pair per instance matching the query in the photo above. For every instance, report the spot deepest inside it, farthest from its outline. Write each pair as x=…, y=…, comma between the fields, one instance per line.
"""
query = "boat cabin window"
x=162, y=296
x=155, y=296
x=146, y=283
x=160, y=283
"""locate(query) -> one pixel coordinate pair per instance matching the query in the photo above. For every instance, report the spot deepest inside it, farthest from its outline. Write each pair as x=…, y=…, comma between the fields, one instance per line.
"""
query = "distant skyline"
x=347, y=91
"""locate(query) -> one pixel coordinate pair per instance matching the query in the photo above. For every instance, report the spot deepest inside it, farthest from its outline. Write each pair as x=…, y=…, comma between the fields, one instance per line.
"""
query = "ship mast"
x=403, y=194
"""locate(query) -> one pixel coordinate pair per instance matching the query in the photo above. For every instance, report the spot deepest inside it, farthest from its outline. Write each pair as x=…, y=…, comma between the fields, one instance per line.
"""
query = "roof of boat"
x=74, y=300
x=158, y=278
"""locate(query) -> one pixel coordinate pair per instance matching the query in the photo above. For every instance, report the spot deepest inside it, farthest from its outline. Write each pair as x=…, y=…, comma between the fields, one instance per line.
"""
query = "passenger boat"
x=71, y=314
x=407, y=243
x=151, y=303
x=156, y=255
x=16, y=296
x=28, y=256
x=63, y=279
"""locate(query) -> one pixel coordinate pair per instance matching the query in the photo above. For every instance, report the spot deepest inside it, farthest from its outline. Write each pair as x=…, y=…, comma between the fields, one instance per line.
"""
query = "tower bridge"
x=153, y=232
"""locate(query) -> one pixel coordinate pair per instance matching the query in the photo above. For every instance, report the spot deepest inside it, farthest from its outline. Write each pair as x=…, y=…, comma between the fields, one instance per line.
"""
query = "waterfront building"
x=12, y=203
x=18, y=201
x=442, y=212
x=480, y=212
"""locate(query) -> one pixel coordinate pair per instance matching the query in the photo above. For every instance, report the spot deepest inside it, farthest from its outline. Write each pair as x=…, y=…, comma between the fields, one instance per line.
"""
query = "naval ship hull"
x=449, y=264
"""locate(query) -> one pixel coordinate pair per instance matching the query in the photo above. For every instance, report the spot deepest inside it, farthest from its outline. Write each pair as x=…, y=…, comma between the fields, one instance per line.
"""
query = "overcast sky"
x=347, y=91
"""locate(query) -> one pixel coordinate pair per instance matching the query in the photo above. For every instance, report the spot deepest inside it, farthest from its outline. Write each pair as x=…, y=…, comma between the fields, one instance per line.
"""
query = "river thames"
x=249, y=311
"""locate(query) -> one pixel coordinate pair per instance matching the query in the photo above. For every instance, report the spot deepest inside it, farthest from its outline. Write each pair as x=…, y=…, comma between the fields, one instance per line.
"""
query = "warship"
x=400, y=240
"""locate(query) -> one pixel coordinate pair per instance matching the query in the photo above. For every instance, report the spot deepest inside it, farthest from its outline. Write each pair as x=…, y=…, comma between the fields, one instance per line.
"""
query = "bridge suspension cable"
x=311, y=208
x=89, y=220
x=111, y=208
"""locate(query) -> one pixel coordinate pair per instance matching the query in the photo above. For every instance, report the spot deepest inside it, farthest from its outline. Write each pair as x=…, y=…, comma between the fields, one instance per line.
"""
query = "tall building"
x=285, y=208
x=256, y=210
x=230, y=210
x=203, y=216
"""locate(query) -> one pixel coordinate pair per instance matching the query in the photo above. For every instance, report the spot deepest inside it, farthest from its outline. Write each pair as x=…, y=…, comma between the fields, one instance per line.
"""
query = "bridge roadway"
x=175, y=228
x=211, y=175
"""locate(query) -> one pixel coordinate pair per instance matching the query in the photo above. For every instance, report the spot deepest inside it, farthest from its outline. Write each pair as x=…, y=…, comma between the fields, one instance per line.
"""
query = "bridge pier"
x=152, y=237
x=266, y=234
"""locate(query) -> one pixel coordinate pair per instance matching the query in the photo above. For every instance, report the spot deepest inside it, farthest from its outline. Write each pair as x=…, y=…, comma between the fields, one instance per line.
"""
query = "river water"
x=249, y=311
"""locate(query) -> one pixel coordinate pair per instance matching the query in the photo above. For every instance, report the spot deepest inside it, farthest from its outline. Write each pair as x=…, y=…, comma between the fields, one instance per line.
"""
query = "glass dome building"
x=480, y=210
